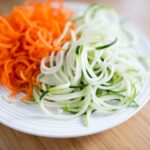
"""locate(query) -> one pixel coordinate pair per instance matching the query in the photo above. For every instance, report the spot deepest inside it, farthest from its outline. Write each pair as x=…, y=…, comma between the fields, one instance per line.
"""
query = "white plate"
x=30, y=118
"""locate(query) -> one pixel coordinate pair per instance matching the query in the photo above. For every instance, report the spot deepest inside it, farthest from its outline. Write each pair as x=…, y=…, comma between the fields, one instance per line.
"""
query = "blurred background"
x=138, y=11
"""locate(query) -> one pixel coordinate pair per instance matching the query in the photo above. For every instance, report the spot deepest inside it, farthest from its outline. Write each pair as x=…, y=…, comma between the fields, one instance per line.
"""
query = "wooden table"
x=133, y=134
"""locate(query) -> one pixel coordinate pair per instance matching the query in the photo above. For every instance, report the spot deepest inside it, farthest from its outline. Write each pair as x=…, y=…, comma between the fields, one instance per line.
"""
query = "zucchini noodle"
x=98, y=71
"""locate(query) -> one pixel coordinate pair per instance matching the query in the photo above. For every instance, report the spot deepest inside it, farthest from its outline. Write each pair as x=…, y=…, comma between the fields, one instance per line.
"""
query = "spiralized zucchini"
x=98, y=71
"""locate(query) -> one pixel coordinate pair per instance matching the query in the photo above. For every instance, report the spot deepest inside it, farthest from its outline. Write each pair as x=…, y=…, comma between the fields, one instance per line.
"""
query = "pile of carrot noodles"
x=28, y=34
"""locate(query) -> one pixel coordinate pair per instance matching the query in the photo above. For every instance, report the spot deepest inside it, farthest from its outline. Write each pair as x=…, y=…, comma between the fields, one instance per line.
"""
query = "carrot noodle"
x=28, y=34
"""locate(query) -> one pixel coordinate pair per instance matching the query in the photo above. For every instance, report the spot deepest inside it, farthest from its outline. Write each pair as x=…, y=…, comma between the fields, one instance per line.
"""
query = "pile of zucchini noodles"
x=98, y=71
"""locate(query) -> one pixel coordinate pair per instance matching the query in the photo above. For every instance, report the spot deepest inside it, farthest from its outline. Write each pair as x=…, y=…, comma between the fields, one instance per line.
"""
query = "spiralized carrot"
x=28, y=34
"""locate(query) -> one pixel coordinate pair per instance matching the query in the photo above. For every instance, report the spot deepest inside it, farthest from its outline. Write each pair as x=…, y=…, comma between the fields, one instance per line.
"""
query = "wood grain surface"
x=134, y=134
